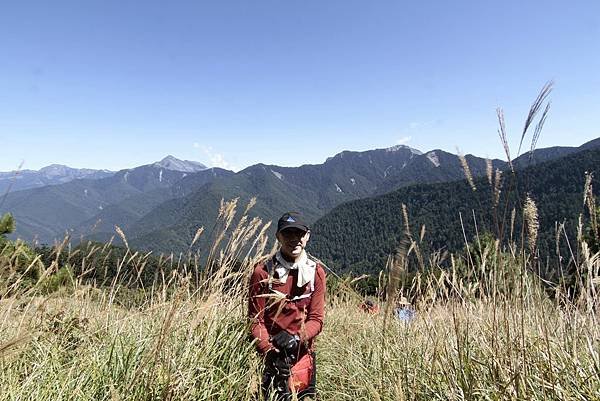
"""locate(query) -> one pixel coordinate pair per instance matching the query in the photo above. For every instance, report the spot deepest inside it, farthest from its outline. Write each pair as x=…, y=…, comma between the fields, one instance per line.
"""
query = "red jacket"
x=270, y=315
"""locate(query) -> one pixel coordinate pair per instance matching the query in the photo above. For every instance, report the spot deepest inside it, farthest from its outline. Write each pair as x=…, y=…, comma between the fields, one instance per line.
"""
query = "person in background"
x=286, y=308
x=369, y=306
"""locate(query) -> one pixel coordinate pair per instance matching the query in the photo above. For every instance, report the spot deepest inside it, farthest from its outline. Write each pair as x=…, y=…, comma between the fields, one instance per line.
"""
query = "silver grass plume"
x=531, y=220
x=467, y=170
x=197, y=236
x=497, y=186
x=587, y=188
x=513, y=215
x=250, y=205
x=122, y=235
x=406, y=222
x=589, y=200
x=534, y=109
x=538, y=131
x=503, y=137
x=489, y=169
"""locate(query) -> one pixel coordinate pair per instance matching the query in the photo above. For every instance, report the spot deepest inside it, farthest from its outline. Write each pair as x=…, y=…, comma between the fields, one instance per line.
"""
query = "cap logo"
x=291, y=219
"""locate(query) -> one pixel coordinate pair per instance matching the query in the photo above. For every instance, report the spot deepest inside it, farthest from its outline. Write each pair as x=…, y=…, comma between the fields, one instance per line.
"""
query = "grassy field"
x=77, y=349
x=503, y=336
x=192, y=347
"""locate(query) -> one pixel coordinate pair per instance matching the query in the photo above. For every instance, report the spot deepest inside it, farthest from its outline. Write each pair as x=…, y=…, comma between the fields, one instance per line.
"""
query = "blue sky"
x=116, y=84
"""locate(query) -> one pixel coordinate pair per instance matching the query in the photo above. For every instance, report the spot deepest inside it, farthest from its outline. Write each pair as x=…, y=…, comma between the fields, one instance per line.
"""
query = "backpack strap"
x=270, y=271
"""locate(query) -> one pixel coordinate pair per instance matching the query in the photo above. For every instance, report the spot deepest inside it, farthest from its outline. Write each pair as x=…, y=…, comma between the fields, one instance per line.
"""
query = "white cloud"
x=404, y=140
x=414, y=125
x=216, y=159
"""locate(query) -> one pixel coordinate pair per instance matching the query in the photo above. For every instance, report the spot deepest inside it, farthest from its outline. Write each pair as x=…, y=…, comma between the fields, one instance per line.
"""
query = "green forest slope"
x=357, y=236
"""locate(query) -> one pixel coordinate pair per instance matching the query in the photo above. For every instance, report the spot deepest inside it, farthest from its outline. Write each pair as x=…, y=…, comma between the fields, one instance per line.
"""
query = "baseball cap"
x=291, y=220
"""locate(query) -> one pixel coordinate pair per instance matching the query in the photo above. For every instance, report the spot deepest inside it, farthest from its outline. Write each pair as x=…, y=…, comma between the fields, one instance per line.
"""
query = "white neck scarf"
x=306, y=268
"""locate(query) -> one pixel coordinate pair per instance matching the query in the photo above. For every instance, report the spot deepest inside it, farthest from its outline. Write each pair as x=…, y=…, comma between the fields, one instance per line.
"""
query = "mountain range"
x=161, y=205
x=46, y=213
x=50, y=175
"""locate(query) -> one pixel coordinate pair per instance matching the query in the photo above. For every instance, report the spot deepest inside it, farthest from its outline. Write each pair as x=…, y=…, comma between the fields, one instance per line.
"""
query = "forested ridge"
x=358, y=236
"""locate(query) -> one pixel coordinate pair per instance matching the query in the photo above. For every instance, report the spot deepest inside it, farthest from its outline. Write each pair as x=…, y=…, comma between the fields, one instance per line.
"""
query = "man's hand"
x=285, y=341
x=277, y=363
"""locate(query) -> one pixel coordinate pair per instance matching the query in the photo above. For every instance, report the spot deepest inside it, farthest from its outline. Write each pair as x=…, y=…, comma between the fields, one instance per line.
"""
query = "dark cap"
x=291, y=220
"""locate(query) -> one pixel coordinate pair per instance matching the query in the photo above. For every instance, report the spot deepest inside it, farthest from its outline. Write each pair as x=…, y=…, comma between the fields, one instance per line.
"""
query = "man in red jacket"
x=286, y=307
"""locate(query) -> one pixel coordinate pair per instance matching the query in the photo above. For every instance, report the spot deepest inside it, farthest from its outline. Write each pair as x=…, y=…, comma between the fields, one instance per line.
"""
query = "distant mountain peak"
x=53, y=166
x=61, y=169
x=55, y=169
x=186, y=166
x=396, y=148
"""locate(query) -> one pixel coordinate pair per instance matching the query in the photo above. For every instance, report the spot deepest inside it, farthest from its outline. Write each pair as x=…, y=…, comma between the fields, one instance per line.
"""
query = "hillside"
x=436, y=166
x=47, y=213
x=133, y=208
x=357, y=236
